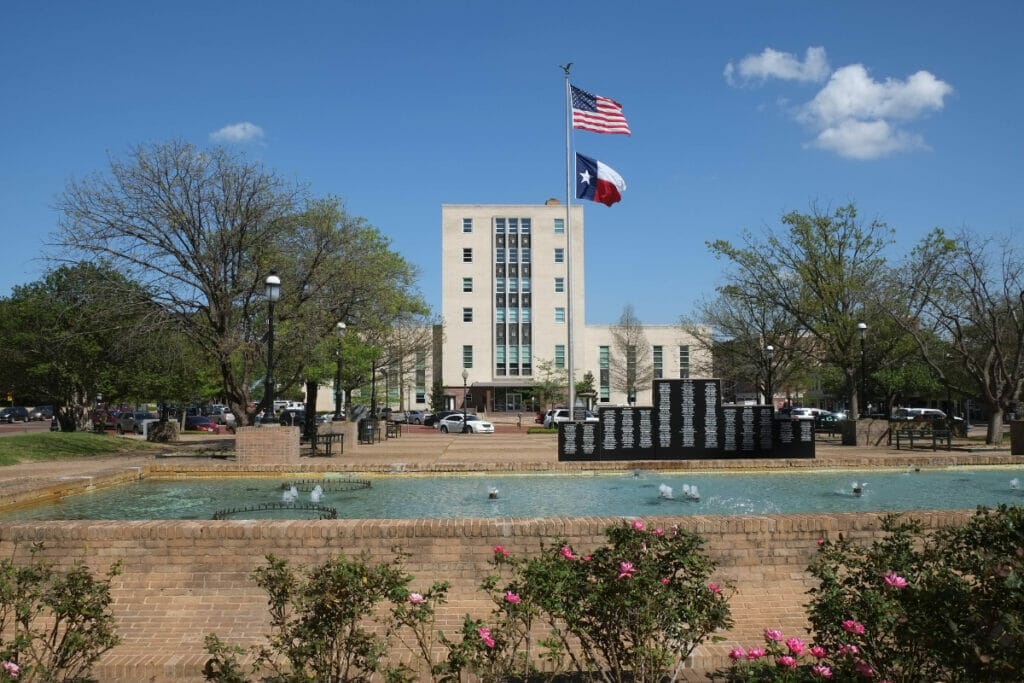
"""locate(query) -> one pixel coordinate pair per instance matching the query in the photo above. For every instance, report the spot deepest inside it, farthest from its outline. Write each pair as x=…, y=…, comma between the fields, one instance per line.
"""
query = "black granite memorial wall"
x=686, y=422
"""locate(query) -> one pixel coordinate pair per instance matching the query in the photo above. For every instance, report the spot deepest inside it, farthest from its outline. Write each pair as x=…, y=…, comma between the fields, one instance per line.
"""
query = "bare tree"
x=751, y=340
x=406, y=343
x=969, y=291
x=632, y=364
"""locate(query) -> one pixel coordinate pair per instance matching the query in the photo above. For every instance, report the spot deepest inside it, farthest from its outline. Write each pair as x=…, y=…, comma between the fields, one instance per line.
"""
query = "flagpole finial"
x=566, y=67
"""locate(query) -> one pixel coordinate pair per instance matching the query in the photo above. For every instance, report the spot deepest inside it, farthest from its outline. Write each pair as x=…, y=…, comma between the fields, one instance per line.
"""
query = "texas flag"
x=598, y=181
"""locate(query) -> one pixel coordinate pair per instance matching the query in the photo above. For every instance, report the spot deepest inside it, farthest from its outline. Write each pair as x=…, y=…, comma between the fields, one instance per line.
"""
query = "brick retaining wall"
x=184, y=579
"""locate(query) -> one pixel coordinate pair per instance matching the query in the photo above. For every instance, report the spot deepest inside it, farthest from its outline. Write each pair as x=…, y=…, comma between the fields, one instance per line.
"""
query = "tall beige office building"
x=505, y=307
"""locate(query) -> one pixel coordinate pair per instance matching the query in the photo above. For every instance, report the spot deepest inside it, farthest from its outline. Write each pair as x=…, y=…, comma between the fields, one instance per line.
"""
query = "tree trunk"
x=309, y=429
x=995, y=427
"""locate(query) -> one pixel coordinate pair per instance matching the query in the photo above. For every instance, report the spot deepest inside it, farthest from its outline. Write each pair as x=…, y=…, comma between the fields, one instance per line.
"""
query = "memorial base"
x=267, y=444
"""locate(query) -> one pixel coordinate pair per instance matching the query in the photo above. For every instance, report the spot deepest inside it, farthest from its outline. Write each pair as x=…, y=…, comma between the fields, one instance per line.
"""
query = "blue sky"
x=740, y=112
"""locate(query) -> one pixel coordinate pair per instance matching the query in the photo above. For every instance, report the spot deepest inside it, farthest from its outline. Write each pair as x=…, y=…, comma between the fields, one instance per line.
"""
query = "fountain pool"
x=631, y=493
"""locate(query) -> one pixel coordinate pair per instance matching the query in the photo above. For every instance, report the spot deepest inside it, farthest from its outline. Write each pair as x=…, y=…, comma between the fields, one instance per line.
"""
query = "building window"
x=559, y=255
x=467, y=314
x=467, y=225
x=499, y=254
x=524, y=285
x=605, y=372
x=513, y=360
x=513, y=315
x=467, y=284
x=659, y=364
x=559, y=356
x=525, y=315
x=684, y=362
x=559, y=226
x=467, y=255
x=513, y=226
x=513, y=285
x=467, y=356
x=421, y=377
x=499, y=315
x=526, y=360
x=513, y=255
x=499, y=285
x=499, y=226
x=559, y=315
x=499, y=359
x=559, y=285
x=525, y=253
x=524, y=226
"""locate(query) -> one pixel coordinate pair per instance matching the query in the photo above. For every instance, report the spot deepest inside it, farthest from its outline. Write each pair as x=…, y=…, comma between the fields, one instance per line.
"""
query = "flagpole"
x=568, y=242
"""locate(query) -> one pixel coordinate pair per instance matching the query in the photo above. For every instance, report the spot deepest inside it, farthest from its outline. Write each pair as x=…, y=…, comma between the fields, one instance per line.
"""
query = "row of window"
x=512, y=285
x=511, y=315
x=522, y=354
x=514, y=226
x=513, y=255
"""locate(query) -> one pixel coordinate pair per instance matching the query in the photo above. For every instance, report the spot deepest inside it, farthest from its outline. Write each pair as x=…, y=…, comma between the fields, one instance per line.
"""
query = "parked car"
x=473, y=424
x=798, y=413
x=221, y=414
x=14, y=414
x=415, y=417
x=130, y=421
x=432, y=420
x=293, y=418
x=560, y=415
x=920, y=414
x=200, y=423
x=40, y=413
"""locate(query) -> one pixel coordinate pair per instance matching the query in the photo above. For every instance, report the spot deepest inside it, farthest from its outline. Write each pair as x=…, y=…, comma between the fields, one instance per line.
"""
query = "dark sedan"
x=200, y=423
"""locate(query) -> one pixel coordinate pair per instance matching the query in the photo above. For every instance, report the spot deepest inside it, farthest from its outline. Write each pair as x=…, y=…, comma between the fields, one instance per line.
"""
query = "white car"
x=473, y=424
x=561, y=415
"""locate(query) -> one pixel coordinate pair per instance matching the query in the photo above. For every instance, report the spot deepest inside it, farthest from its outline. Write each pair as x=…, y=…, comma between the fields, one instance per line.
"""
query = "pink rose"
x=587, y=558
x=786, y=662
x=864, y=669
x=416, y=598
x=894, y=581
x=796, y=646
x=848, y=649
x=819, y=652
x=755, y=653
x=638, y=525
x=567, y=553
x=714, y=588
x=512, y=598
x=500, y=550
x=737, y=653
x=12, y=669
x=821, y=542
x=664, y=580
x=485, y=635
x=626, y=570
x=773, y=635
x=821, y=671
x=851, y=626
x=658, y=532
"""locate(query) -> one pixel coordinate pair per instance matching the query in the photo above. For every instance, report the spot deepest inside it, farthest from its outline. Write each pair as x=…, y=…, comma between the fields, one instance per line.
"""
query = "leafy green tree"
x=85, y=331
x=968, y=292
x=549, y=382
x=823, y=270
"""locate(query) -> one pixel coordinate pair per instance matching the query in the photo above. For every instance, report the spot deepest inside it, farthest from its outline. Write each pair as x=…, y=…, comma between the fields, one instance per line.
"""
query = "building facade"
x=506, y=311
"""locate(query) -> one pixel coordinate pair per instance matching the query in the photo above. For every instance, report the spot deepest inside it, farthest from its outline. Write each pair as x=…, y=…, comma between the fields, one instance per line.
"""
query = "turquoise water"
x=404, y=496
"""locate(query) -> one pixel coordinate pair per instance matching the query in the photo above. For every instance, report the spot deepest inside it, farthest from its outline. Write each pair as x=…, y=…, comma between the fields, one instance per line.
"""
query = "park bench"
x=393, y=430
x=923, y=436
x=323, y=445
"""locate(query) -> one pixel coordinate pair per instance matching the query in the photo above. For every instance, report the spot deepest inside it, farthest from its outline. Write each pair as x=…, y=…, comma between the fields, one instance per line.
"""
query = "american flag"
x=597, y=114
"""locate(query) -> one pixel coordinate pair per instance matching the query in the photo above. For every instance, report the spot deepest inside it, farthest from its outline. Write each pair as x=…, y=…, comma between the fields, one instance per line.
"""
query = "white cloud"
x=852, y=94
x=866, y=139
x=238, y=132
x=782, y=65
x=853, y=115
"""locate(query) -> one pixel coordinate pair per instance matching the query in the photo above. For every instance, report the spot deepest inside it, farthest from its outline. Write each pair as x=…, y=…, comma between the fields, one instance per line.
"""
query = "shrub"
x=634, y=609
x=59, y=622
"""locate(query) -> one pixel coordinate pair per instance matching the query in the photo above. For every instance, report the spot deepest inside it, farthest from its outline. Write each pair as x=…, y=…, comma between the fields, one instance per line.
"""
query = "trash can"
x=1017, y=437
x=367, y=431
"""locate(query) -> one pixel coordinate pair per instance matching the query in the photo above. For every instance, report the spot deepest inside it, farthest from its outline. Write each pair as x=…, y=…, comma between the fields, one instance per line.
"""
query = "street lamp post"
x=862, y=329
x=272, y=289
x=339, y=330
x=768, y=391
x=465, y=377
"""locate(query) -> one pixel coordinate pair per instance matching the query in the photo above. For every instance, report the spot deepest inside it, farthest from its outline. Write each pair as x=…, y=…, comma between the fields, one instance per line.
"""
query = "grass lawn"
x=63, y=445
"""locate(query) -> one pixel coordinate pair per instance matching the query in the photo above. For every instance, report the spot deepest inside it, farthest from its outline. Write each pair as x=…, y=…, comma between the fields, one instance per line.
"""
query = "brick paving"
x=184, y=579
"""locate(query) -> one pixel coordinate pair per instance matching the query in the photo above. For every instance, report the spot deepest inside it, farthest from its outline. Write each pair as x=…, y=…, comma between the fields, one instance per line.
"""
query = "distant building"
x=505, y=308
